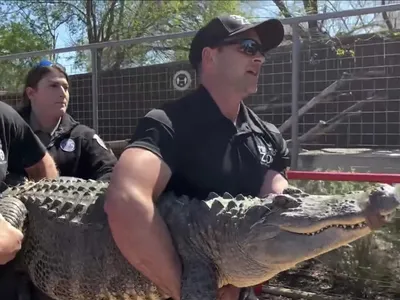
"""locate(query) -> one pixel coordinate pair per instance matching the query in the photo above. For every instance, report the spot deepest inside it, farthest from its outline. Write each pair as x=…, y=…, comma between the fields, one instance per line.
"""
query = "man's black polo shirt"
x=206, y=152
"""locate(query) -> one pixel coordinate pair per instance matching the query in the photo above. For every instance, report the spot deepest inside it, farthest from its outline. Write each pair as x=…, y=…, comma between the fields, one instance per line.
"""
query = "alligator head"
x=298, y=226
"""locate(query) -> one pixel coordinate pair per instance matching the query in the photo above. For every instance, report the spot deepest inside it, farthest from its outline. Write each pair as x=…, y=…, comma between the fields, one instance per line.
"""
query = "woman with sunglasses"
x=77, y=150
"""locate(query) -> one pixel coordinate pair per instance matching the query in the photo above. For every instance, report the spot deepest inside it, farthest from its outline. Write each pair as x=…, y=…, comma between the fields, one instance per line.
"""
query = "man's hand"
x=10, y=241
x=273, y=182
x=228, y=292
x=45, y=168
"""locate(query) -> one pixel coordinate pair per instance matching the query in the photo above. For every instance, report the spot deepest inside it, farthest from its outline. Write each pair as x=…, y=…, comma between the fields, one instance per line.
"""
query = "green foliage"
x=17, y=38
x=146, y=18
x=102, y=21
x=321, y=187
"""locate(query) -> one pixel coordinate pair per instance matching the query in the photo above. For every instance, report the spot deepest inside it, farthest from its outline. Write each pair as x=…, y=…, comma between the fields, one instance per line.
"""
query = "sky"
x=63, y=41
x=260, y=10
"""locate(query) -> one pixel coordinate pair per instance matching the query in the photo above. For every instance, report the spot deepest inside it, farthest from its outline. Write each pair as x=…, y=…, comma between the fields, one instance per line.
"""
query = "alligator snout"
x=384, y=200
x=382, y=205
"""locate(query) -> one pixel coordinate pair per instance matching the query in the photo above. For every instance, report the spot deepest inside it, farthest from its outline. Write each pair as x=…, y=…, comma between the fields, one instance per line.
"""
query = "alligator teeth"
x=353, y=226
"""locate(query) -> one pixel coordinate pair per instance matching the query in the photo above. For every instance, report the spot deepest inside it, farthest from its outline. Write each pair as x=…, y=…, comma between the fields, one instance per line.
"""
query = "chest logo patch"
x=68, y=145
x=267, y=153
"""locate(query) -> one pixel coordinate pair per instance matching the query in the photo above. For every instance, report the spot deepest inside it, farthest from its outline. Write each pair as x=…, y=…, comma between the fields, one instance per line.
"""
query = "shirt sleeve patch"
x=100, y=141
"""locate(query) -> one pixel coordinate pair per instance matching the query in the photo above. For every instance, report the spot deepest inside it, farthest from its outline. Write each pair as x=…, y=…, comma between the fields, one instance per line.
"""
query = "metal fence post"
x=95, y=92
x=295, y=95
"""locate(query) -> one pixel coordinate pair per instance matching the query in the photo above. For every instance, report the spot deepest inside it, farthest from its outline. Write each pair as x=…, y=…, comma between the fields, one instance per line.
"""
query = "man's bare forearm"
x=45, y=168
x=273, y=183
x=144, y=240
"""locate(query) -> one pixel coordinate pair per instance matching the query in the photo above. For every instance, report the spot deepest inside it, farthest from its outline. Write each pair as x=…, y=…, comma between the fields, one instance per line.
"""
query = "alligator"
x=69, y=252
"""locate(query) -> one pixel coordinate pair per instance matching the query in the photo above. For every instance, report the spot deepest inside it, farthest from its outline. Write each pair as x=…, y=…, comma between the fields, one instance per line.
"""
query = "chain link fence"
x=336, y=87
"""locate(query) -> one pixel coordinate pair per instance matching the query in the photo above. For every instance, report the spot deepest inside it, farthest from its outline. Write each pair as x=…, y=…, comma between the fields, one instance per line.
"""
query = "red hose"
x=258, y=290
x=344, y=176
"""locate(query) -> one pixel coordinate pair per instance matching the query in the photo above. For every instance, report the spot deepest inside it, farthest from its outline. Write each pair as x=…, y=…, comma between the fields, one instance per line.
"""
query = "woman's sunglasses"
x=247, y=46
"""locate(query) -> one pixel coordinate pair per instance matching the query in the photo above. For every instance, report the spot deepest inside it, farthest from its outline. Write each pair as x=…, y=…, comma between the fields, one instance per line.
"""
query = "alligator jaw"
x=319, y=229
x=383, y=201
x=343, y=225
x=315, y=244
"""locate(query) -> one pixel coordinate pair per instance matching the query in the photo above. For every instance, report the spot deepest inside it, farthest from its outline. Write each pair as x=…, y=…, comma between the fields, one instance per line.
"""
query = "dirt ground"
x=318, y=282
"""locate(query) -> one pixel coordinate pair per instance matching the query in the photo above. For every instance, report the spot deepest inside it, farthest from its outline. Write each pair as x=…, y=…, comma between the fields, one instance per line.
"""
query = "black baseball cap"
x=270, y=32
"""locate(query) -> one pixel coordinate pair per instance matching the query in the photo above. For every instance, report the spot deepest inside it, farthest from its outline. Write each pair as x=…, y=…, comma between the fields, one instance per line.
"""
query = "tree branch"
x=327, y=126
x=76, y=8
x=108, y=17
x=283, y=9
x=327, y=93
x=386, y=18
x=89, y=26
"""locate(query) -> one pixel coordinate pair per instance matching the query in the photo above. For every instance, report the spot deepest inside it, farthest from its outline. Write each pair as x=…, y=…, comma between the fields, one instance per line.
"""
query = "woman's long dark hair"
x=34, y=76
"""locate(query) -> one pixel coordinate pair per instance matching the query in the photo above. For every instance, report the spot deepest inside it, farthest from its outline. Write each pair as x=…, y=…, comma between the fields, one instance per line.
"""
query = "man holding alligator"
x=207, y=141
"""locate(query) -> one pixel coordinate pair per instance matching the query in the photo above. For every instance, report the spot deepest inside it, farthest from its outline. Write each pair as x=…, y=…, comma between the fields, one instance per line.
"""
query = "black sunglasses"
x=247, y=46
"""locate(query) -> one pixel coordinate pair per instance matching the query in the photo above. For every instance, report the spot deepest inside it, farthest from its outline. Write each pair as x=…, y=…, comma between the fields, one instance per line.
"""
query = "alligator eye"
x=286, y=201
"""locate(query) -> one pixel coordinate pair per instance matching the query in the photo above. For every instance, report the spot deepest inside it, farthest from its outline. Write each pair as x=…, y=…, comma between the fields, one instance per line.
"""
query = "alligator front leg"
x=199, y=280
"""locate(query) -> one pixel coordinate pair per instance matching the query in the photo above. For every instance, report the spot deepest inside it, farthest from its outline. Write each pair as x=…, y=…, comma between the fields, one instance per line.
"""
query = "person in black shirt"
x=77, y=149
x=207, y=141
x=17, y=138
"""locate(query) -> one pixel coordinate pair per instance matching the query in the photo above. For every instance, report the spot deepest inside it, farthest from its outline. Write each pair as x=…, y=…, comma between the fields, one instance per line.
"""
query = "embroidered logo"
x=267, y=153
x=240, y=19
x=68, y=145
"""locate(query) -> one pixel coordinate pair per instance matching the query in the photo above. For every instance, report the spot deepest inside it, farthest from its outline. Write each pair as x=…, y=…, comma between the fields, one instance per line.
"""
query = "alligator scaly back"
x=68, y=248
